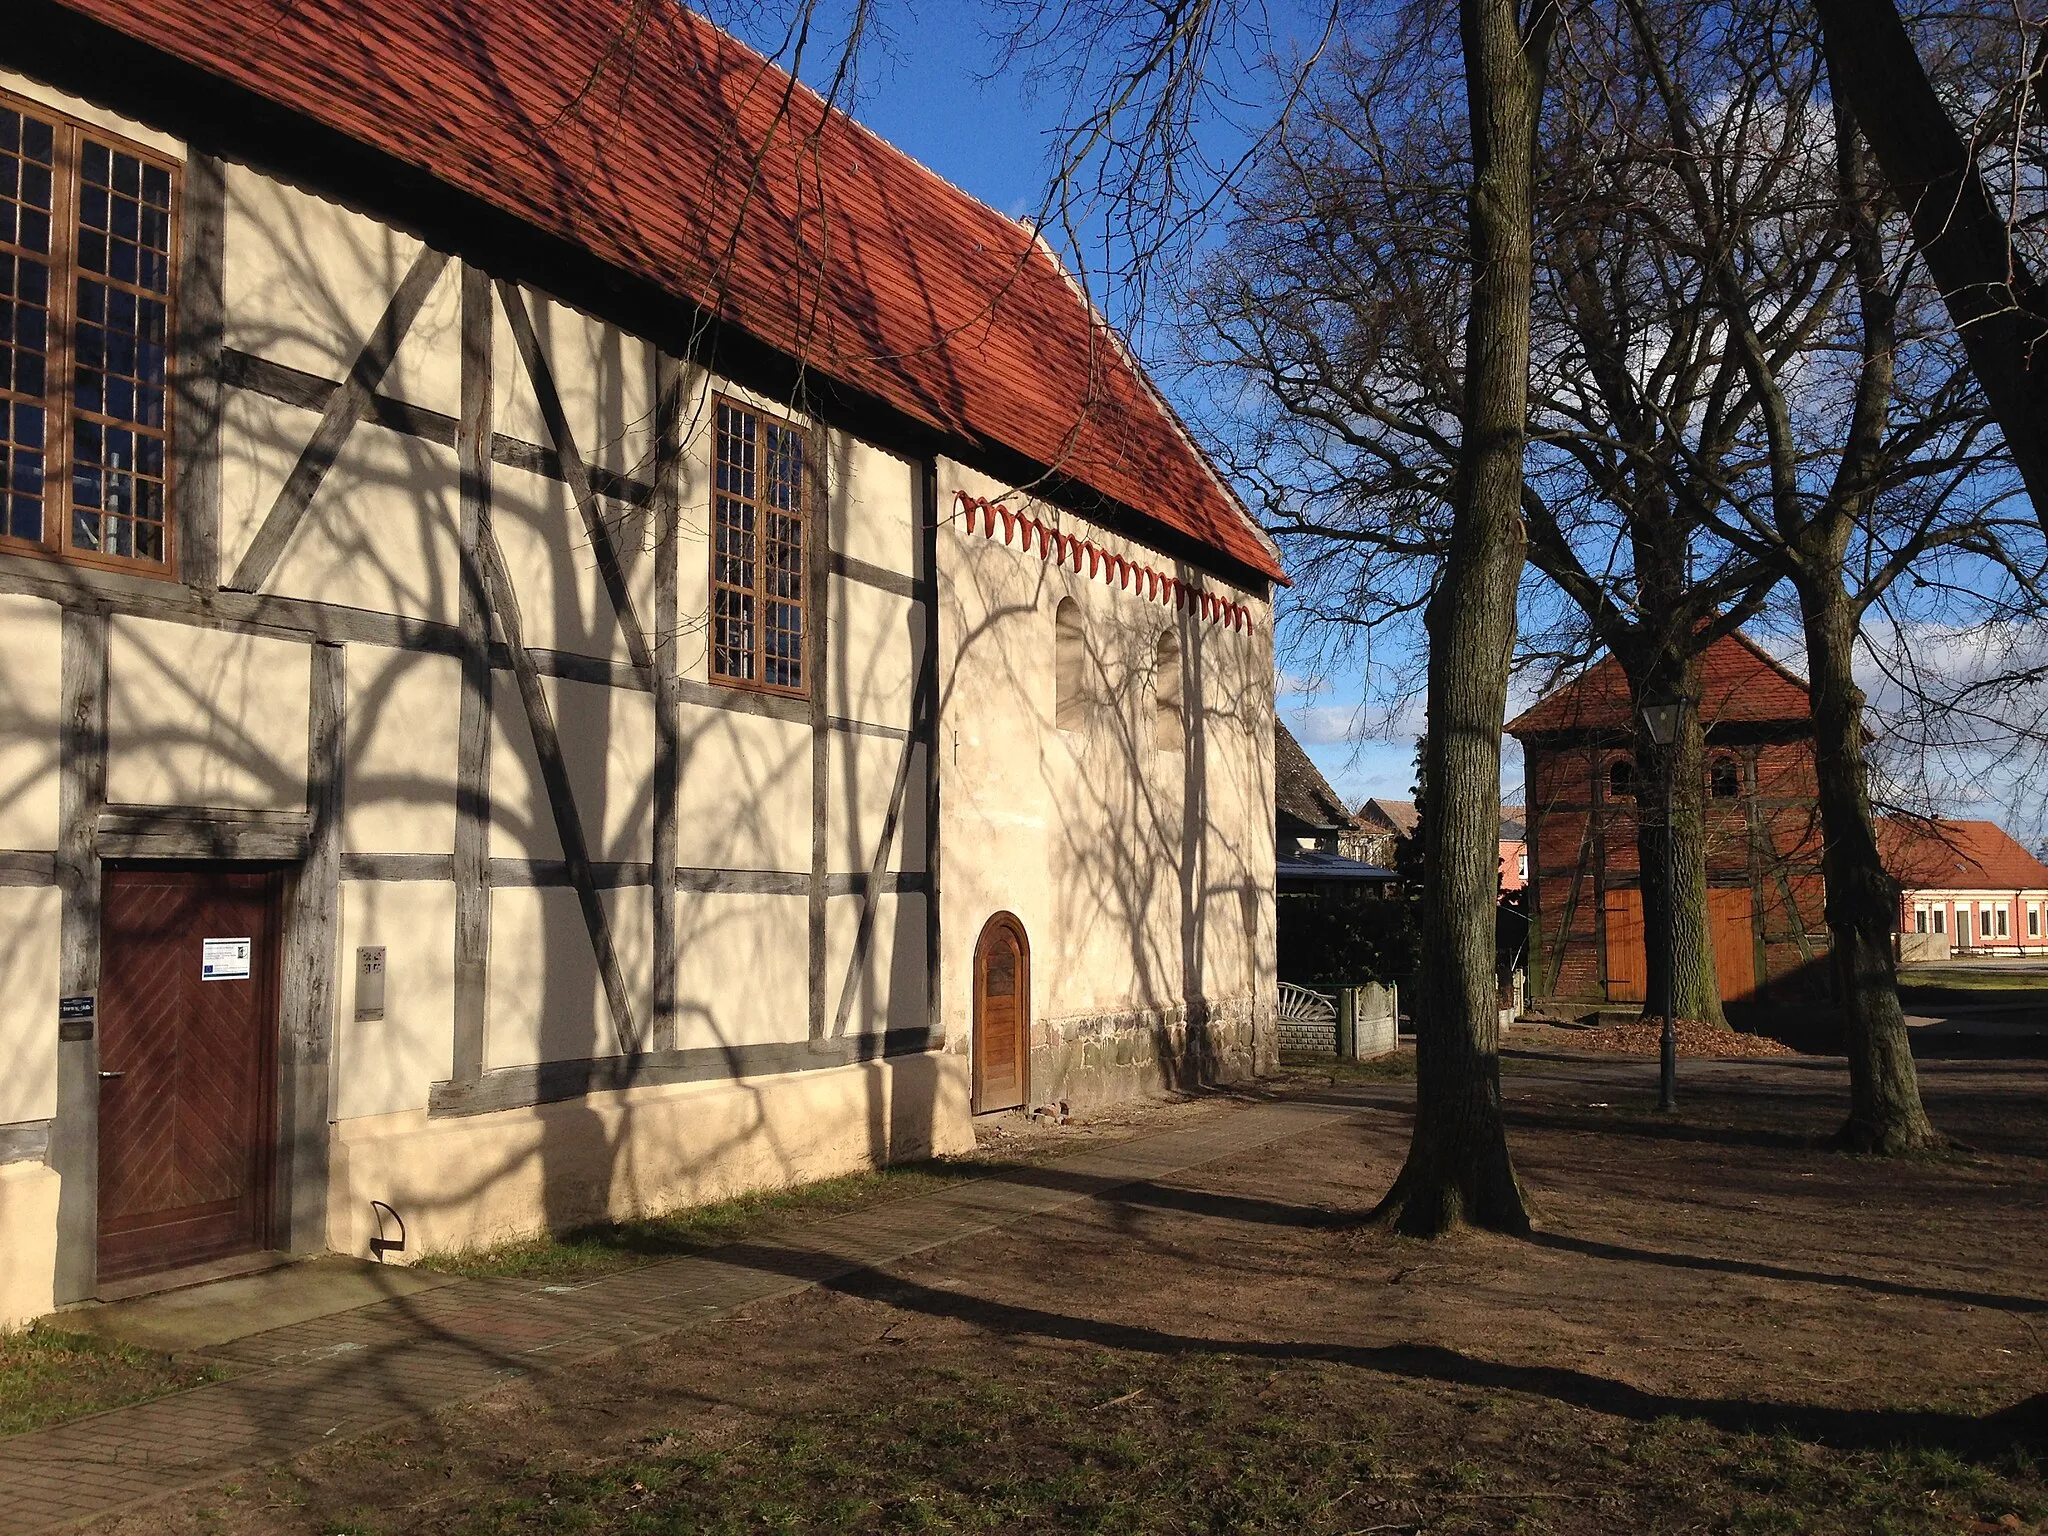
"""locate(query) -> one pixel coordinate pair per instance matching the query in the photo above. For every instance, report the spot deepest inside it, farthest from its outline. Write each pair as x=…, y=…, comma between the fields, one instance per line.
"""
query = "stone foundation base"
x=471, y=1180
x=1099, y=1058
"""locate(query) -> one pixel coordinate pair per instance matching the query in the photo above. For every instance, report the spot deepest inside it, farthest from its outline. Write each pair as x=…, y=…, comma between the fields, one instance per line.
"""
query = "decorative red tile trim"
x=1084, y=557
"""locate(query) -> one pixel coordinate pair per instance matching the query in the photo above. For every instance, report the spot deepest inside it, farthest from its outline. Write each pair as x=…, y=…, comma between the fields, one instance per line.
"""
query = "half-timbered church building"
x=577, y=634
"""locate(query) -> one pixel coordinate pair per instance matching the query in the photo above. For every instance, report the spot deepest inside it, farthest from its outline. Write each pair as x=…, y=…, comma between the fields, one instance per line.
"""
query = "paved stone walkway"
x=398, y=1359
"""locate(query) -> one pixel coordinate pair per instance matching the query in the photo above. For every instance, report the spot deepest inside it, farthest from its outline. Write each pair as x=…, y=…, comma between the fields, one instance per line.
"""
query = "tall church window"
x=1167, y=727
x=1070, y=667
x=86, y=236
x=757, y=553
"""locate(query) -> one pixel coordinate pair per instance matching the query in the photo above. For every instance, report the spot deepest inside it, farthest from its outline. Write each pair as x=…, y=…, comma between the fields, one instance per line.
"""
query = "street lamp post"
x=1663, y=721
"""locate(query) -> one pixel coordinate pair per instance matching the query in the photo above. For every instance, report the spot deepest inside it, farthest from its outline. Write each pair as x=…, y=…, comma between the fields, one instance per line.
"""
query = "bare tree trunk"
x=1885, y=1114
x=1679, y=772
x=1458, y=1168
x=1998, y=306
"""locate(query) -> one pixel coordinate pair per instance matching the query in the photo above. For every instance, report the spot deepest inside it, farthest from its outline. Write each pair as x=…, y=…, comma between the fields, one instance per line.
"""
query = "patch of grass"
x=1214, y=1444
x=1939, y=983
x=606, y=1246
x=47, y=1376
x=1393, y=1067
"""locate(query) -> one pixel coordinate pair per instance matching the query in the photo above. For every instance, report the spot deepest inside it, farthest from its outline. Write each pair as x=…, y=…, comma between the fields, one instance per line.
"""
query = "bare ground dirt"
x=1721, y=1326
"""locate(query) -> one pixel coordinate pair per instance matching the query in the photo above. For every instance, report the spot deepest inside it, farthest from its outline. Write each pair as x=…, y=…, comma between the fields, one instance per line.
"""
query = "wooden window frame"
x=808, y=525
x=59, y=384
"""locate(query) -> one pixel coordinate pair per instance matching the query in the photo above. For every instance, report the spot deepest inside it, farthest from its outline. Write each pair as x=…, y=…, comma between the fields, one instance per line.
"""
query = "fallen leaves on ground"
x=1694, y=1039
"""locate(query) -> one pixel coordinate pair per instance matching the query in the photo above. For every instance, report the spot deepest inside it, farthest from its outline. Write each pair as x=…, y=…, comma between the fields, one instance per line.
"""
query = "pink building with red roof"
x=1965, y=887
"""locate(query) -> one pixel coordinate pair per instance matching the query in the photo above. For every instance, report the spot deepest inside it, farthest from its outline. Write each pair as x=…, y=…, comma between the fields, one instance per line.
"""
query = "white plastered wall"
x=305, y=281
x=205, y=717
x=607, y=738
x=745, y=800
x=379, y=534
x=547, y=1000
x=29, y=691
x=385, y=1065
x=890, y=990
x=1142, y=877
x=403, y=710
x=29, y=928
x=760, y=941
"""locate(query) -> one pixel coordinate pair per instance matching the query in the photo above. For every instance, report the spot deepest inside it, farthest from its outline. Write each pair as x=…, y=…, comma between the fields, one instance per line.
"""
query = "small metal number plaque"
x=76, y=1016
x=370, y=982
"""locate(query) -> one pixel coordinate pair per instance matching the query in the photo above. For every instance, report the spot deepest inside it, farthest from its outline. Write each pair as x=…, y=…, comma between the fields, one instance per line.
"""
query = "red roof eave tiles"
x=1957, y=855
x=1739, y=683
x=631, y=131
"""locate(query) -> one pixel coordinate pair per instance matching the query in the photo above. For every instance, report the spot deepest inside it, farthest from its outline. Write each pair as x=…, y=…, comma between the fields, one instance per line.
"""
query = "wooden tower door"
x=188, y=1052
x=1728, y=929
x=1002, y=1014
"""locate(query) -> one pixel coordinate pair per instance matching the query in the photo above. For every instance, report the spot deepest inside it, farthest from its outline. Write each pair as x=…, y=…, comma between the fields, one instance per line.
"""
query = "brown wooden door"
x=1734, y=943
x=1002, y=1014
x=187, y=1067
x=1628, y=967
x=1728, y=930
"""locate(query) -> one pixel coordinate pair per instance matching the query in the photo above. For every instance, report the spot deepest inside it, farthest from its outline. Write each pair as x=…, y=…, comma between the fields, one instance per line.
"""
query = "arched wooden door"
x=1002, y=1014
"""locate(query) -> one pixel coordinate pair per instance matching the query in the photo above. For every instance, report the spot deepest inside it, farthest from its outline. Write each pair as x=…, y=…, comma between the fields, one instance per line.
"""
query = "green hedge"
x=1346, y=941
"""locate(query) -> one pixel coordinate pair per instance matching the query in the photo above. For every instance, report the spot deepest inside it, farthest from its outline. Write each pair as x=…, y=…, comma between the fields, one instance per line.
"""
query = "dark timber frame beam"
x=670, y=387
x=305, y=1054
x=196, y=426
x=550, y=1082
x=472, y=861
x=82, y=790
x=344, y=408
x=817, y=620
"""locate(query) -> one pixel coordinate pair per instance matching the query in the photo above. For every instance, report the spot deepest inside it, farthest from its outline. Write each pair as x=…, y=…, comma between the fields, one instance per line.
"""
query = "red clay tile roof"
x=636, y=145
x=1957, y=855
x=1738, y=683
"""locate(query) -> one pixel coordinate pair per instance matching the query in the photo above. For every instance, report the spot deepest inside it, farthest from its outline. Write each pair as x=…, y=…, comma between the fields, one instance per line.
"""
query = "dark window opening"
x=1621, y=779
x=1724, y=778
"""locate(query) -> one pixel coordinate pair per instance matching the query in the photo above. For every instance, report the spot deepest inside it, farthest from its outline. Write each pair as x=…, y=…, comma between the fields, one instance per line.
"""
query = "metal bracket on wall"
x=380, y=1244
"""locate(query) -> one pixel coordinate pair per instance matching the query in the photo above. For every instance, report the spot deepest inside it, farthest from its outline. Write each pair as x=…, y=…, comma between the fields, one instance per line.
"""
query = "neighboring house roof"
x=1513, y=824
x=1738, y=684
x=646, y=137
x=1315, y=864
x=1300, y=791
x=1396, y=816
x=1957, y=855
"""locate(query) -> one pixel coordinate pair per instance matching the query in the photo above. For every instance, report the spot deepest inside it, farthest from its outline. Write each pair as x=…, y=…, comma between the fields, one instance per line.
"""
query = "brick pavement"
x=405, y=1357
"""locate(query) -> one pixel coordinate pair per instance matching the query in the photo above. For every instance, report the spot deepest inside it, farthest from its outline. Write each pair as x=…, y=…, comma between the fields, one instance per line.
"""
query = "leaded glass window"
x=86, y=242
x=757, y=551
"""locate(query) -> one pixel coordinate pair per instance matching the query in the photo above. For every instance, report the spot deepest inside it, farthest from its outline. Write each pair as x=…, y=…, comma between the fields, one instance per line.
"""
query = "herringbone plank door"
x=187, y=1068
x=1002, y=1014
